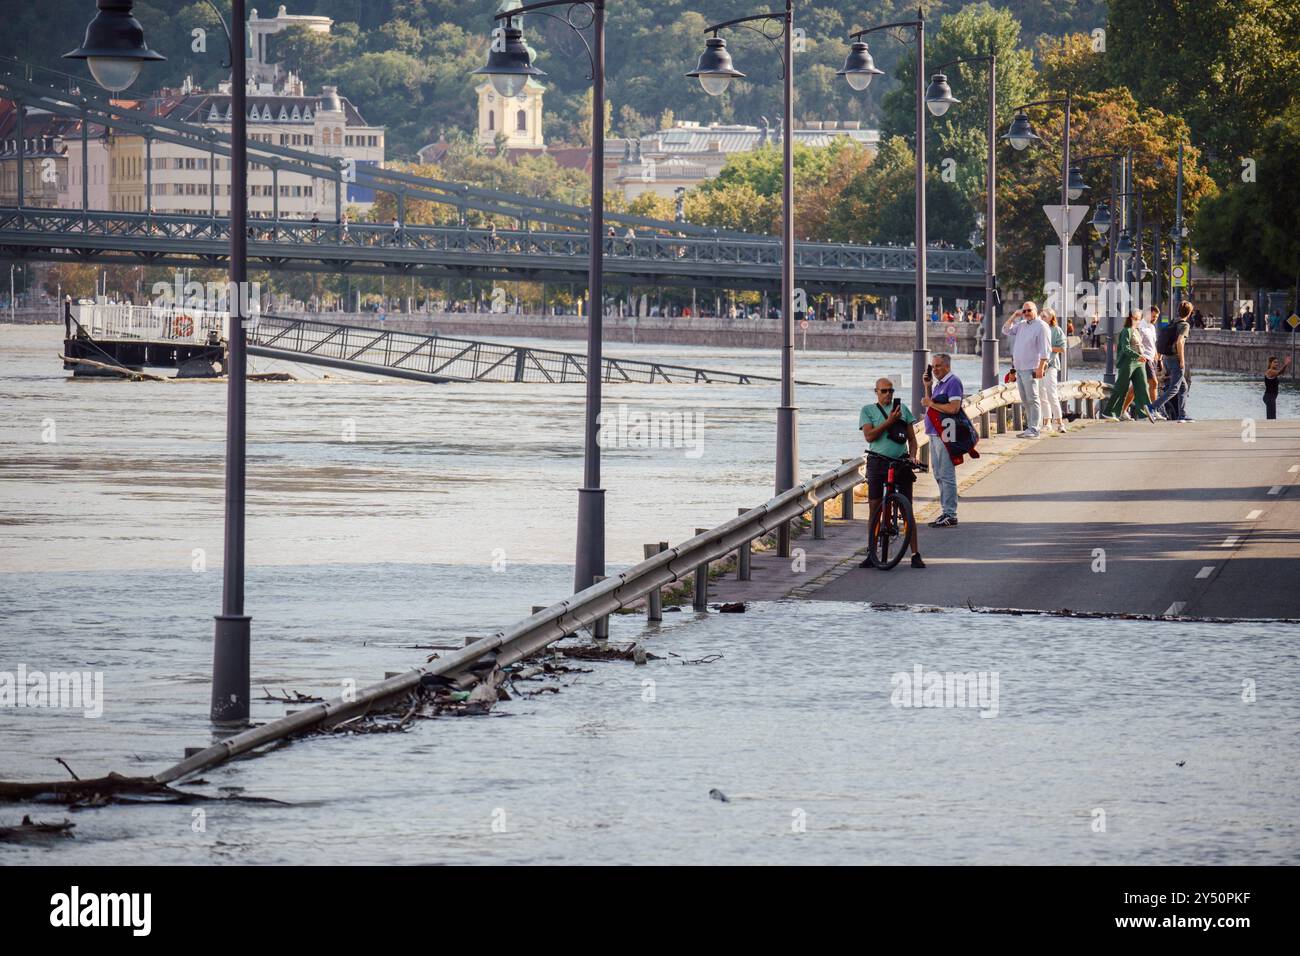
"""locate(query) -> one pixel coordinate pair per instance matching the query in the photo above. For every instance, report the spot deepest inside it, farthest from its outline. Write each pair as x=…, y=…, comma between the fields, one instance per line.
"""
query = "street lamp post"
x=715, y=73
x=509, y=67
x=859, y=70
x=1103, y=218
x=1020, y=136
x=938, y=97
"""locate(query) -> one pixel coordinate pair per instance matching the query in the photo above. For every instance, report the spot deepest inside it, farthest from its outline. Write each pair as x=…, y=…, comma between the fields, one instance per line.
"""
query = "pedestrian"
x=891, y=436
x=343, y=224
x=943, y=395
x=1272, y=379
x=1171, y=343
x=1129, y=371
x=1147, y=334
x=1048, y=393
x=397, y=232
x=629, y=240
x=492, y=236
x=1030, y=350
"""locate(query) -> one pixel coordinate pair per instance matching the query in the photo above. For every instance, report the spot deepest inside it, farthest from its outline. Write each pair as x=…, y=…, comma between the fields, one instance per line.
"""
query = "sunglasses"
x=884, y=390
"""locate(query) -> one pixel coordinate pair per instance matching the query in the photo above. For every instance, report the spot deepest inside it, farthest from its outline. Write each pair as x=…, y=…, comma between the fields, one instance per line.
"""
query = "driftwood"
x=270, y=377
x=29, y=830
x=115, y=788
x=127, y=373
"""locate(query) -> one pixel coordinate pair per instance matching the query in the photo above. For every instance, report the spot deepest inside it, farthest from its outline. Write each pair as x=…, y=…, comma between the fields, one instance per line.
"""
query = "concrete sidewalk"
x=814, y=564
x=1133, y=517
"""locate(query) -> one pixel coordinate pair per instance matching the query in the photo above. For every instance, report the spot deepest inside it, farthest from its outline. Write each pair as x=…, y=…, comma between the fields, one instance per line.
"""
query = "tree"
x=1109, y=121
x=1233, y=73
x=1251, y=227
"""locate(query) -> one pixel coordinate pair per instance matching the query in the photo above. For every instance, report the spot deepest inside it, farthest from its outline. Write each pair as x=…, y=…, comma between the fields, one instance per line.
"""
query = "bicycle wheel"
x=893, y=530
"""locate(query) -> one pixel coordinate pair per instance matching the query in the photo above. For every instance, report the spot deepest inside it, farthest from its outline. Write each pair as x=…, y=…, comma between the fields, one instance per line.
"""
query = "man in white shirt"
x=1030, y=349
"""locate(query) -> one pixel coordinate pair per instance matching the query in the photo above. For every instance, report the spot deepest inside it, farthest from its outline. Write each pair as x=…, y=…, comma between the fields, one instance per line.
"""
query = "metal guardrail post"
x=1091, y=406
x=600, y=630
x=819, y=521
x=701, y=596
x=1017, y=416
x=846, y=499
x=744, y=554
x=1078, y=407
x=984, y=424
x=1000, y=418
x=654, y=602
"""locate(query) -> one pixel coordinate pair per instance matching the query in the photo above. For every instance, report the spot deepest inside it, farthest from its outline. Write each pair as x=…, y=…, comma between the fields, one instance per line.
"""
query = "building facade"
x=688, y=153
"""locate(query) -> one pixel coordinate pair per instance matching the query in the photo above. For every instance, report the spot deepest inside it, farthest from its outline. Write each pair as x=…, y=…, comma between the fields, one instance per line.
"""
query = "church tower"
x=518, y=117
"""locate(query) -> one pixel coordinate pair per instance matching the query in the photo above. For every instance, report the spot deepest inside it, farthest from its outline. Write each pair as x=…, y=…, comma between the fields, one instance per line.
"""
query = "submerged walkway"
x=1129, y=517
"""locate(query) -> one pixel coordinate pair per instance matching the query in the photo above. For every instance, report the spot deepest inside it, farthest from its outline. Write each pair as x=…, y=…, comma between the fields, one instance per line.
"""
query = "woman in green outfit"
x=1130, y=370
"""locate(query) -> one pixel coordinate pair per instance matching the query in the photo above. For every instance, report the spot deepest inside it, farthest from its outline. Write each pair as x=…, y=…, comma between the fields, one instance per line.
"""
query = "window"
x=492, y=119
x=521, y=121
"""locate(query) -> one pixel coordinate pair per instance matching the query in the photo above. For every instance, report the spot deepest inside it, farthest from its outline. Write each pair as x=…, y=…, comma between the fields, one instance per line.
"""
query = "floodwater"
x=385, y=514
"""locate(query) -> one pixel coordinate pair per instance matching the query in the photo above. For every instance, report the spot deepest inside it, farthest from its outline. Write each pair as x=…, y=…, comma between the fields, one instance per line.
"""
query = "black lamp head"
x=114, y=46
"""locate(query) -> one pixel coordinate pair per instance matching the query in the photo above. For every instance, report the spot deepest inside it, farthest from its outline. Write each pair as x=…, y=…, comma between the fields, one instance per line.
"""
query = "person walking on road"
x=1272, y=379
x=1030, y=350
x=1048, y=397
x=1147, y=333
x=889, y=434
x=1129, y=371
x=944, y=393
x=1171, y=344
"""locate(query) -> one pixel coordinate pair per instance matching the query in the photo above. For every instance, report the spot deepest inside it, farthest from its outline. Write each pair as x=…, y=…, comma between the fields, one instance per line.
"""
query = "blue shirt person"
x=944, y=394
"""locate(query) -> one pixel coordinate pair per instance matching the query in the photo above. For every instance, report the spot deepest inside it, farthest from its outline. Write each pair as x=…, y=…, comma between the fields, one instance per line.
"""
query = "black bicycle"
x=894, y=521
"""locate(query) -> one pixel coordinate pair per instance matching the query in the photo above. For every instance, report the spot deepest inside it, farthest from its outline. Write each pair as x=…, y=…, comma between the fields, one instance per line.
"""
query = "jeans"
x=1028, y=386
x=1047, y=395
x=1174, y=386
x=945, y=473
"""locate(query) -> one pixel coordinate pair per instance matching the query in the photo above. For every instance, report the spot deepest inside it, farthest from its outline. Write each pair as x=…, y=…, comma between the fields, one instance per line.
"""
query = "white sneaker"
x=1027, y=433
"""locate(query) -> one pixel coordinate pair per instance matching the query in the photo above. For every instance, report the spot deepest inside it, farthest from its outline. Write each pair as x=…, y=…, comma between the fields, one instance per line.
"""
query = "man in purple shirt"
x=944, y=394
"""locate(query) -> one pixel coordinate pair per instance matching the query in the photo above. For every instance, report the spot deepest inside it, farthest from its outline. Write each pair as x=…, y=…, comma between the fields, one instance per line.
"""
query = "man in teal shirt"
x=887, y=425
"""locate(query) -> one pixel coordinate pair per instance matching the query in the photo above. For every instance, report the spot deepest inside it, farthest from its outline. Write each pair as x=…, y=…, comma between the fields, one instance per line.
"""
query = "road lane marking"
x=1230, y=540
x=1175, y=609
x=1205, y=572
x=1254, y=514
x=1275, y=490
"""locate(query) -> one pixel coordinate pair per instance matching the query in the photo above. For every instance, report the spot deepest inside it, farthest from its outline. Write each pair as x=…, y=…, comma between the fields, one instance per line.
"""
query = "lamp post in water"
x=509, y=68
x=115, y=48
x=715, y=73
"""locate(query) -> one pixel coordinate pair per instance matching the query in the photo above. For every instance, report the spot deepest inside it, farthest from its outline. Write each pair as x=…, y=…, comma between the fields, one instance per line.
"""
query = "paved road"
x=1190, y=519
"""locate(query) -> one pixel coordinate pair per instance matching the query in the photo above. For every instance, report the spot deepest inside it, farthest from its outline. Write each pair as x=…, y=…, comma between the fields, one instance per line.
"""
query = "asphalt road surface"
x=1197, y=520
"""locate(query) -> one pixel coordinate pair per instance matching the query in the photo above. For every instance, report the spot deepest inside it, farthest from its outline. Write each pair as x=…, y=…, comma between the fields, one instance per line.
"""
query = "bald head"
x=884, y=390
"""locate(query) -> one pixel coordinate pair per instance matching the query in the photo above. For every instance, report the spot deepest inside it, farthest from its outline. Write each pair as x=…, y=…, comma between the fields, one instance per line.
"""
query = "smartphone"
x=897, y=403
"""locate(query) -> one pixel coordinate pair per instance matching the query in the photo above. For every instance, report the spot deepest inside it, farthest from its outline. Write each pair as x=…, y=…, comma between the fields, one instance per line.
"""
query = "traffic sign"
x=803, y=324
x=1076, y=216
x=1178, y=276
x=1293, y=320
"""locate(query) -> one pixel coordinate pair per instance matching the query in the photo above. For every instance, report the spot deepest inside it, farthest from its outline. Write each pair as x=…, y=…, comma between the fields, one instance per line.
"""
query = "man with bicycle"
x=887, y=425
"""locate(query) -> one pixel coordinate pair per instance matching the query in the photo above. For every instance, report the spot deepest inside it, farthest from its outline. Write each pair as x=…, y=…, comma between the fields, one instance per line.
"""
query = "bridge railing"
x=558, y=244
x=587, y=607
x=151, y=323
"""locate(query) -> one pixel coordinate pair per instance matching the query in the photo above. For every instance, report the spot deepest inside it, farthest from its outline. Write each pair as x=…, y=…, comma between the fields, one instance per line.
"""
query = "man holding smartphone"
x=1031, y=347
x=888, y=427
